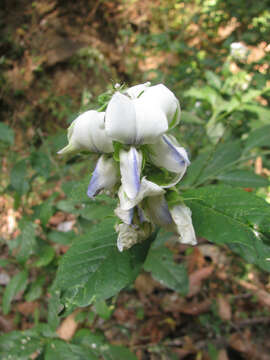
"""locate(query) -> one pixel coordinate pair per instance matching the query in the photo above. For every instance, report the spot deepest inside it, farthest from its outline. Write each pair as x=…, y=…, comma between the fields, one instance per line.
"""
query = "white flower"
x=167, y=153
x=105, y=176
x=177, y=219
x=87, y=132
x=238, y=50
x=142, y=119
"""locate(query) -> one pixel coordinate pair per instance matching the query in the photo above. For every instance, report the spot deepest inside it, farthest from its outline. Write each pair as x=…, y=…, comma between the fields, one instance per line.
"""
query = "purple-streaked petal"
x=158, y=211
x=168, y=154
x=130, y=168
x=105, y=176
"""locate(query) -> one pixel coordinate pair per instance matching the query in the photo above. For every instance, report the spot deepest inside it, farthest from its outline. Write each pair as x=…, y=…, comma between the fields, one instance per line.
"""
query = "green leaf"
x=213, y=79
x=160, y=263
x=20, y=345
x=93, y=268
x=262, y=112
x=4, y=262
x=209, y=94
x=46, y=255
x=26, y=241
x=231, y=216
x=18, y=177
x=103, y=310
x=6, y=134
x=95, y=211
x=17, y=283
x=98, y=342
x=41, y=163
x=114, y=352
x=63, y=238
x=209, y=166
x=190, y=118
x=36, y=289
x=258, y=137
x=243, y=178
x=58, y=349
x=44, y=211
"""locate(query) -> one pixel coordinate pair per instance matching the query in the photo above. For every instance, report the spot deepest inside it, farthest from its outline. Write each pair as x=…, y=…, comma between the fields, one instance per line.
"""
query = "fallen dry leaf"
x=222, y=355
x=196, y=308
x=196, y=278
x=68, y=327
x=262, y=295
x=224, y=308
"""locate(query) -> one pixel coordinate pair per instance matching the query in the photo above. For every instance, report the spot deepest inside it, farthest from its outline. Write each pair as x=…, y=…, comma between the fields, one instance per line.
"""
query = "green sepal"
x=117, y=146
x=173, y=197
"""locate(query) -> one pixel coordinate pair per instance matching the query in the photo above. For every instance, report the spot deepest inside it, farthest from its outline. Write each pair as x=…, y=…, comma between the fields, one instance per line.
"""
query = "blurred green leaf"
x=63, y=238
x=213, y=79
x=46, y=255
x=103, y=310
x=20, y=345
x=6, y=134
x=190, y=118
x=257, y=138
x=160, y=263
x=18, y=177
x=243, y=178
x=41, y=163
x=36, y=289
x=26, y=241
x=61, y=350
x=17, y=283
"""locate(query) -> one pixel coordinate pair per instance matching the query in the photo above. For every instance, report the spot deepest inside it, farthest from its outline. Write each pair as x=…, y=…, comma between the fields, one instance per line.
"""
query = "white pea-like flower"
x=87, y=132
x=141, y=120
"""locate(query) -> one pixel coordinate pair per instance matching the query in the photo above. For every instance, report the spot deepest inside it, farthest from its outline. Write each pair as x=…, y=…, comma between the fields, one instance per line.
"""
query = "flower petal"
x=151, y=121
x=125, y=215
x=120, y=119
x=105, y=176
x=158, y=211
x=147, y=188
x=87, y=132
x=160, y=96
x=130, y=168
x=168, y=154
x=181, y=215
x=137, y=90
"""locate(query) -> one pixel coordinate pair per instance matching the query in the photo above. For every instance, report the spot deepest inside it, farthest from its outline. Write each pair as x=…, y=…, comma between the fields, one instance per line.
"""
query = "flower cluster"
x=132, y=138
x=238, y=51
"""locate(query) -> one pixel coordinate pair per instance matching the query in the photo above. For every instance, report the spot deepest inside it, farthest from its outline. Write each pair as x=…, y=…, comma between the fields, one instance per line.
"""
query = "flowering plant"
x=132, y=137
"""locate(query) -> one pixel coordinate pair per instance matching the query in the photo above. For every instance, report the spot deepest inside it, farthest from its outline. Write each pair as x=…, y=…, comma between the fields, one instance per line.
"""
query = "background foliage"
x=58, y=249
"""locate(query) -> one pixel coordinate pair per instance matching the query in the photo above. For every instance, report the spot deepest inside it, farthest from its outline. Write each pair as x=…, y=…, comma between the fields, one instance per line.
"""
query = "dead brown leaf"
x=27, y=308
x=145, y=284
x=224, y=308
x=68, y=327
x=196, y=278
